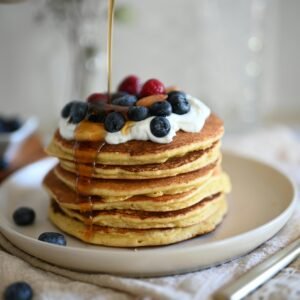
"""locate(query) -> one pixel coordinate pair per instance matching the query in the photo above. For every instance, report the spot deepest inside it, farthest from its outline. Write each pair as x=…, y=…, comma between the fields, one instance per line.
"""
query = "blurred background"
x=240, y=56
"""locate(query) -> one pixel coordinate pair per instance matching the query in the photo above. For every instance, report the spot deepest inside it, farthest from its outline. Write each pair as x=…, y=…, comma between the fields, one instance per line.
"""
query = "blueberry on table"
x=160, y=126
x=162, y=108
x=114, y=122
x=137, y=113
x=18, y=291
x=124, y=100
x=53, y=238
x=180, y=104
x=24, y=216
x=78, y=112
x=95, y=114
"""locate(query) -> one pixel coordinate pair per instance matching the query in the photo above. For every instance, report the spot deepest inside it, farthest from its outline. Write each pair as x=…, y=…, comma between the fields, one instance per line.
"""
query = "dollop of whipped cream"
x=193, y=121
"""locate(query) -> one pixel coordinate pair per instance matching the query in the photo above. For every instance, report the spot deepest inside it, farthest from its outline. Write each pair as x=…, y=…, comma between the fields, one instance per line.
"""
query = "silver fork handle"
x=259, y=274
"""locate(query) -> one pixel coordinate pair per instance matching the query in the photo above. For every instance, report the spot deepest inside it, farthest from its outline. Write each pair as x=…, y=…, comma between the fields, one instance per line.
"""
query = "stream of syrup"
x=82, y=178
x=111, y=8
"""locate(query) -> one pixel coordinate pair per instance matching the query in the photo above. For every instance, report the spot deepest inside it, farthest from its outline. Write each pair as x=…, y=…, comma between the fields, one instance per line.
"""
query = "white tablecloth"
x=278, y=145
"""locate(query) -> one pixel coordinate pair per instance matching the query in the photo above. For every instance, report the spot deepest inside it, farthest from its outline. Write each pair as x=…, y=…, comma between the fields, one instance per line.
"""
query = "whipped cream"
x=193, y=121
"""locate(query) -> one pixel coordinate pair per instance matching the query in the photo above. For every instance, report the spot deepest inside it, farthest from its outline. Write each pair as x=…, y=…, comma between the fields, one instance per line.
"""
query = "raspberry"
x=97, y=97
x=131, y=85
x=152, y=87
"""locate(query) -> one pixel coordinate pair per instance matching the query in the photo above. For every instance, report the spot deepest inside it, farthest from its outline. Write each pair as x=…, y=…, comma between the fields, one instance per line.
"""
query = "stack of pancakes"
x=138, y=193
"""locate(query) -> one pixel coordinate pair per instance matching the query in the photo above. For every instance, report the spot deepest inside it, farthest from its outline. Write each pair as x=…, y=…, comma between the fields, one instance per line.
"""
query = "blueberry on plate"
x=18, y=291
x=124, y=100
x=78, y=112
x=160, y=126
x=137, y=113
x=53, y=238
x=114, y=122
x=23, y=216
x=96, y=114
x=179, y=102
x=161, y=108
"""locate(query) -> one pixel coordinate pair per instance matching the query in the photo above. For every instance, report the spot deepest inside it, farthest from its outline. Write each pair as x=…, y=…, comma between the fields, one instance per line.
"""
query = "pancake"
x=67, y=198
x=176, y=165
x=147, y=220
x=124, y=189
x=136, y=152
x=120, y=237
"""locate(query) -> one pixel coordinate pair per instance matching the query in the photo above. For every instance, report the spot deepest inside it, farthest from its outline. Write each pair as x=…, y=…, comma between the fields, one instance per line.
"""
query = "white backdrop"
x=166, y=39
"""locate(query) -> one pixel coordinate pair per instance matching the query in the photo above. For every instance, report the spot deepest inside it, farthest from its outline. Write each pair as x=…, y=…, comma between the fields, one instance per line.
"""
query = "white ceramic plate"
x=261, y=202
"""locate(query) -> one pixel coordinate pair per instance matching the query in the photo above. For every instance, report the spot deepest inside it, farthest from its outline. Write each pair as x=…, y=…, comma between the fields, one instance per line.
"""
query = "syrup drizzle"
x=111, y=8
x=86, y=202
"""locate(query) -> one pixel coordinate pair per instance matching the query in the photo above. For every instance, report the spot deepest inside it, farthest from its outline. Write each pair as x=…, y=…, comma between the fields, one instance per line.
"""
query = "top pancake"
x=137, y=152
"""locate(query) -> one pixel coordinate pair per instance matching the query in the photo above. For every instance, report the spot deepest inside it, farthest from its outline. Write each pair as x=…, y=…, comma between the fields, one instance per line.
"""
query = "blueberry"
x=78, y=112
x=2, y=125
x=12, y=124
x=8, y=125
x=24, y=216
x=117, y=95
x=162, y=108
x=96, y=114
x=124, y=100
x=53, y=238
x=18, y=291
x=114, y=122
x=138, y=113
x=65, y=113
x=175, y=94
x=160, y=126
x=3, y=164
x=180, y=104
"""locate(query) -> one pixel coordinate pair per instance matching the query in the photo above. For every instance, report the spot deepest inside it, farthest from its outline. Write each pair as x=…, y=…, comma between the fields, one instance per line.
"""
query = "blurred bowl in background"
x=10, y=142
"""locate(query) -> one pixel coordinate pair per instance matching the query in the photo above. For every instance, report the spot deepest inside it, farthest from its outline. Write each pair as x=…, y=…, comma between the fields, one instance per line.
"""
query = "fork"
x=258, y=275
